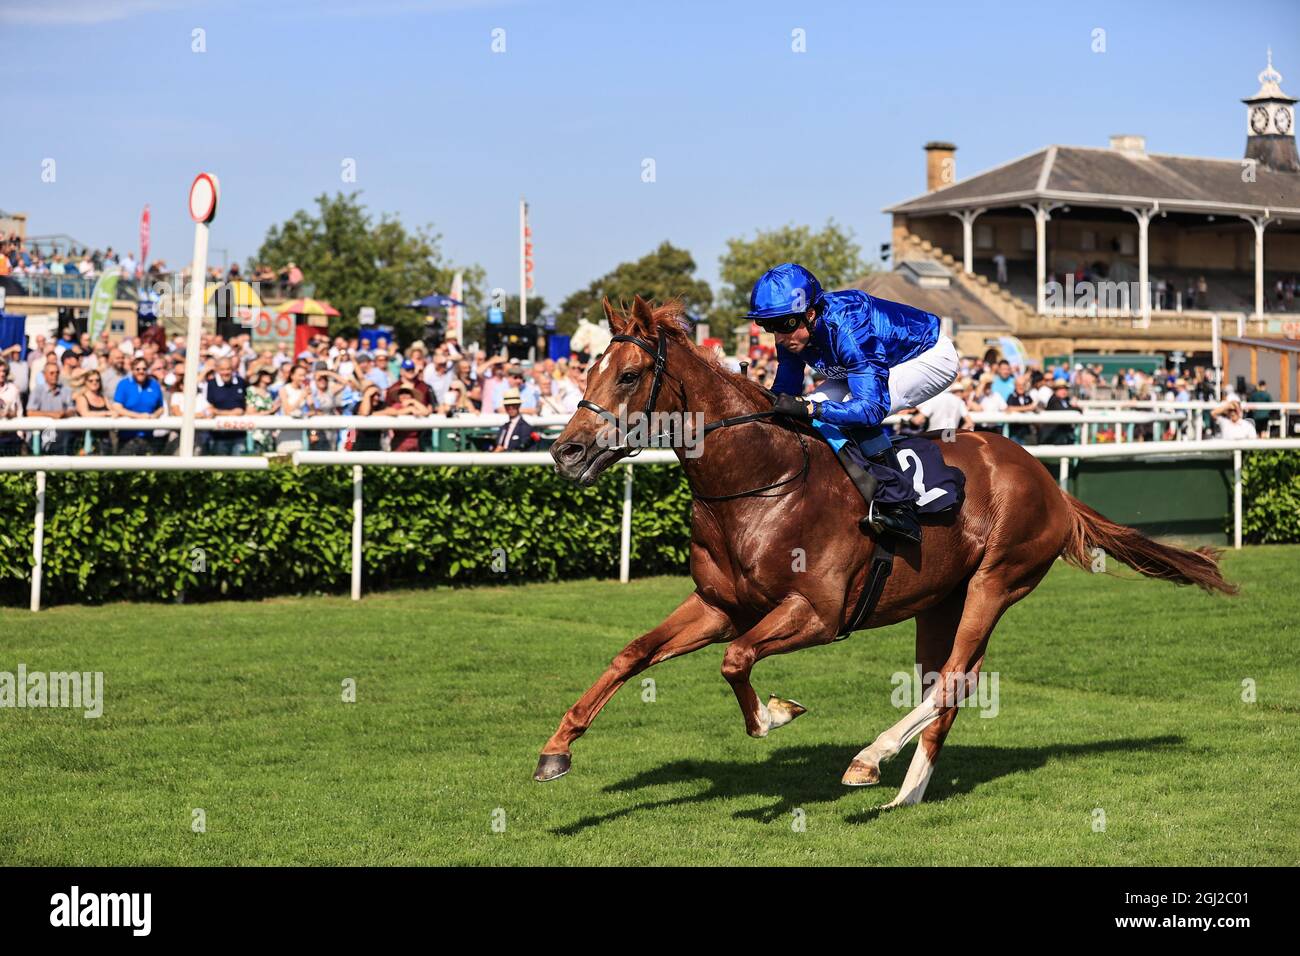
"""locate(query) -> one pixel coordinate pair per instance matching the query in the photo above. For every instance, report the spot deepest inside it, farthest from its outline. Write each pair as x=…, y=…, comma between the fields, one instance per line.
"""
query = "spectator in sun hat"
x=71, y=373
x=1059, y=402
x=1230, y=423
x=530, y=397
x=516, y=434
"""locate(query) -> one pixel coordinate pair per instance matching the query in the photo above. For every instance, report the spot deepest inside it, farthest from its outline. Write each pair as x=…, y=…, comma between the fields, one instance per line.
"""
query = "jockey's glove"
x=793, y=406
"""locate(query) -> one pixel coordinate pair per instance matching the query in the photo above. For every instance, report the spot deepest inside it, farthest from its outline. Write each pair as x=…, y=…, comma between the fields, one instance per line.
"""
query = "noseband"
x=659, y=352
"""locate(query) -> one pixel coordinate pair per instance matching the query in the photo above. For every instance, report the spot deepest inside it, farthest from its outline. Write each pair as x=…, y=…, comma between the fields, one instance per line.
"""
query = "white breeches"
x=911, y=382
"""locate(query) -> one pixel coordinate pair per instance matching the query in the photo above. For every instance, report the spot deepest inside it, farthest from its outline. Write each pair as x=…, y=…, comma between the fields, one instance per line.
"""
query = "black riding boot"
x=899, y=519
x=896, y=519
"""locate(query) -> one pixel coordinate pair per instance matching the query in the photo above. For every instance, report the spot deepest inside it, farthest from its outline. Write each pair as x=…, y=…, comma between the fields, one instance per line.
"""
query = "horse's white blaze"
x=604, y=363
x=917, y=779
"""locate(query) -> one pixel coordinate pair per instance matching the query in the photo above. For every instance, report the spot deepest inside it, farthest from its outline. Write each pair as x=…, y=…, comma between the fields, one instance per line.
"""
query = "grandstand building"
x=1110, y=250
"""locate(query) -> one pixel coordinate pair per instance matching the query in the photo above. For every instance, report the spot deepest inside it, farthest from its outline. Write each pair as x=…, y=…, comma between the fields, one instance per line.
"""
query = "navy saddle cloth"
x=926, y=479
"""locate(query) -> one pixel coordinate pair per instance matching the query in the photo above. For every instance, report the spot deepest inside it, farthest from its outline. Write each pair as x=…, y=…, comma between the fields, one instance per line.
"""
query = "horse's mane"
x=671, y=318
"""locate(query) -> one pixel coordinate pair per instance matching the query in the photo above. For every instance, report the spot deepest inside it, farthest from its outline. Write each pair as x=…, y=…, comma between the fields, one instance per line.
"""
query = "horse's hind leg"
x=791, y=625
x=935, y=631
x=986, y=599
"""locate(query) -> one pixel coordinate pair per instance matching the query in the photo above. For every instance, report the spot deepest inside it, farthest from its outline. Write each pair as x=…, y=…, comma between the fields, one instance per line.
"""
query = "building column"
x=1042, y=212
x=1143, y=217
x=968, y=217
x=1259, y=222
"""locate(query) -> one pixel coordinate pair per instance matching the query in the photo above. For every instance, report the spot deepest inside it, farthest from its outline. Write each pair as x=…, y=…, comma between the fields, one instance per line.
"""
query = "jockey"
x=876, y=356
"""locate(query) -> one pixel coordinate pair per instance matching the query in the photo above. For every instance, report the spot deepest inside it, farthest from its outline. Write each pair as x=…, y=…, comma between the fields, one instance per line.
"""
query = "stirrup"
x=870, y=522
x=893, y=522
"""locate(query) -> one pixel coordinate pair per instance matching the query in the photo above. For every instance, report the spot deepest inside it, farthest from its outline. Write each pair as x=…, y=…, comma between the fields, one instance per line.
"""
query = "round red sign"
x=203, y=197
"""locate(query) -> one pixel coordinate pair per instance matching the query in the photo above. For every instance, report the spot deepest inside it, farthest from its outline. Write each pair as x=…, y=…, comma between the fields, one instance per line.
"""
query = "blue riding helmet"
x=783, y=290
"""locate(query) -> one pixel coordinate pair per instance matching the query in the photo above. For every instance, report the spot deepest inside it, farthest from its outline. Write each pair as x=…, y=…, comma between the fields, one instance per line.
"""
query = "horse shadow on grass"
x=801, y=776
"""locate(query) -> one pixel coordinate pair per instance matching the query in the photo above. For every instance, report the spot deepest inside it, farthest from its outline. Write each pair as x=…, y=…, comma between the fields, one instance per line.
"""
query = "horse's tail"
x=1090, y=530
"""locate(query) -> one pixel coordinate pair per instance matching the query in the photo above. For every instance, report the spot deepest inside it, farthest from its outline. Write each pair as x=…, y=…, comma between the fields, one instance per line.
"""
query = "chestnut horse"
x=765, y=486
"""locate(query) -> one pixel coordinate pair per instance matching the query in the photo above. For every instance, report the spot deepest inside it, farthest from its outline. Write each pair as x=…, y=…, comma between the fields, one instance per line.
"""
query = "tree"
x=354, y=261
x=667, y=273
x=831, y=255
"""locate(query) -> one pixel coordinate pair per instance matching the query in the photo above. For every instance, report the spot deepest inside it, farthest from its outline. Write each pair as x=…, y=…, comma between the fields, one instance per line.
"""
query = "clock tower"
x=1270, y=124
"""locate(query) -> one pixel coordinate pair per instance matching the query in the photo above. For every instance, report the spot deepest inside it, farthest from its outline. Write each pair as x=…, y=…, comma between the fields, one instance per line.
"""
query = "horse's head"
x=621, y=382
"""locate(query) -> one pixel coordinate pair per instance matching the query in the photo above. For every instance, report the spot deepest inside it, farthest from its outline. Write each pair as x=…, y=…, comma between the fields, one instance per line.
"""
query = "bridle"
x=659, y=352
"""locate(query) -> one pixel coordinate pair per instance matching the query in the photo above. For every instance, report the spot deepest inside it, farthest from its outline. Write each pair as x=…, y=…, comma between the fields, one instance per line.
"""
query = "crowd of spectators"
x=992, y=384
x=18, y=258
x=143, y=379
x=73, y=376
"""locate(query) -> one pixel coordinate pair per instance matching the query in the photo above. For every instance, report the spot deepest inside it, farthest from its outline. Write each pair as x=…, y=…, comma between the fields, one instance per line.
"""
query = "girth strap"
x=882, y=563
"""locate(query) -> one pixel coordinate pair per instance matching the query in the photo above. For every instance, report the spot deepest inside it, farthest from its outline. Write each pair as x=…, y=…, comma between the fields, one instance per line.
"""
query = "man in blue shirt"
x=1004, y=382
x=139, y=396
x=225, y=392
x=876, y=356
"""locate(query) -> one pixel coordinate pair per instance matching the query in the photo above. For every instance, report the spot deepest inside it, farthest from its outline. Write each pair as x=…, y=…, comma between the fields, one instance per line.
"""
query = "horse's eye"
x=627, y=378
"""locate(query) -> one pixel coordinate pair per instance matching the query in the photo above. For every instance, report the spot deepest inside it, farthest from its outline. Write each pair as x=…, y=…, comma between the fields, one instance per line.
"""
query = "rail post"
x=625, y=545
x=38, y=541
x=356, y=532
x=1236, y=499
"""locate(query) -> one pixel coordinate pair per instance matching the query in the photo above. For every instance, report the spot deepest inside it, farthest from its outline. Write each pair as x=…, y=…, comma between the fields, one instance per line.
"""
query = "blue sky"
x=744, y=133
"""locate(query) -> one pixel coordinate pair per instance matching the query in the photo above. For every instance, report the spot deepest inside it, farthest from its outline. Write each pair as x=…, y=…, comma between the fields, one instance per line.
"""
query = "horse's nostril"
x=569, y=452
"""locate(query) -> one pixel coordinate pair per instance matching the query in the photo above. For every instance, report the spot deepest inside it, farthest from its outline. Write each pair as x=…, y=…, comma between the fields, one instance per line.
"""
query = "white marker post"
x=523, y=261
x=204, y=193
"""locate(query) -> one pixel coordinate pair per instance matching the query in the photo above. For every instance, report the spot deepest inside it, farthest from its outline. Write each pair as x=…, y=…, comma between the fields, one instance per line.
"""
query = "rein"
x=659, y=352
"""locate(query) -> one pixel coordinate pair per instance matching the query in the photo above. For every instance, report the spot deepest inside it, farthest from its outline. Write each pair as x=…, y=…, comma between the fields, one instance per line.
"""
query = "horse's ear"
x=616, y=321
x=642, y=312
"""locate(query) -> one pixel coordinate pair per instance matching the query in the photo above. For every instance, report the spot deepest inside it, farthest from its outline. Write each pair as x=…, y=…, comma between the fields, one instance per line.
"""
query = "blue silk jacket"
x=859, y=338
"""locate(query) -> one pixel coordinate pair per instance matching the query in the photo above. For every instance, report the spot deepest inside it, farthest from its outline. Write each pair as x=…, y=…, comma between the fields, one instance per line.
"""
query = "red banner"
x=144, y=240
x=528, y=256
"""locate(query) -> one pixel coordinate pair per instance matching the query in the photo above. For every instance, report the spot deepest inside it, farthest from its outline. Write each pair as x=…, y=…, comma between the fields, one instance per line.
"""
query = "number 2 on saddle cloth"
x=924, y=476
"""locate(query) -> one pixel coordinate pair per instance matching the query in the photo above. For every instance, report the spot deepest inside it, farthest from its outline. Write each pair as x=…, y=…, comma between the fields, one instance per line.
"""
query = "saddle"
x=925, y=478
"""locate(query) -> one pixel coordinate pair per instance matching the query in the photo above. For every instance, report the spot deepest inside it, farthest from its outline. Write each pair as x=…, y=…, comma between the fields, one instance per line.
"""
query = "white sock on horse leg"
x=917, y=779
x=896, y=737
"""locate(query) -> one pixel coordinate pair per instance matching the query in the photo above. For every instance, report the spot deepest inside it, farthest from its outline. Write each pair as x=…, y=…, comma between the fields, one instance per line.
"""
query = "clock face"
x=1282, y=120
x=1259, y=119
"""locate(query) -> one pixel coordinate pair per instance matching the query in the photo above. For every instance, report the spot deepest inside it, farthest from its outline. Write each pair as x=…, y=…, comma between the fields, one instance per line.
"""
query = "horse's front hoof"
x=783, y=711
x=550, y=766
x=860, y=774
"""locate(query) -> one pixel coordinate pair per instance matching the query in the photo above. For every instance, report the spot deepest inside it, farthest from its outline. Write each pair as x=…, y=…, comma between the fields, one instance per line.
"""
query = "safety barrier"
x=359, y=461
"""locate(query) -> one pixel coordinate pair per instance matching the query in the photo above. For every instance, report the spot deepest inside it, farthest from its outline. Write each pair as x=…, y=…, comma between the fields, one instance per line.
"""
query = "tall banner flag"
x=525, y=261
x=455, y=313
x=144, y=241
x=101, y=302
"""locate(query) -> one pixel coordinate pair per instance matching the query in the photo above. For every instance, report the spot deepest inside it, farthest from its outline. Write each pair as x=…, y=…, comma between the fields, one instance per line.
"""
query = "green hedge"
x=1270, y=492
x=162, y=535
x=159, y=535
